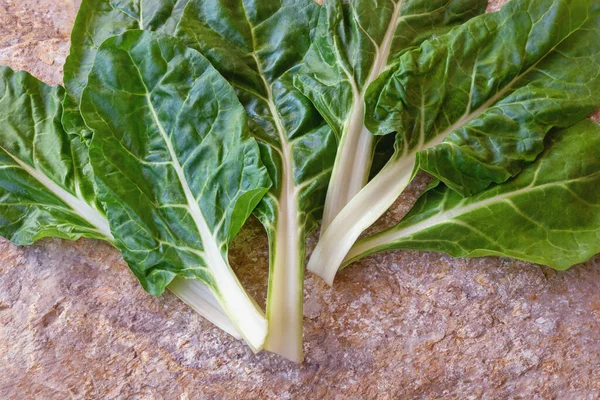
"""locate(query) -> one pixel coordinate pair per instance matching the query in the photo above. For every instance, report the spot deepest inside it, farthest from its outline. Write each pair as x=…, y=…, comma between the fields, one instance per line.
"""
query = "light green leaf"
x=96, y=21
x=549, y=214
x=355, y=42
x=46, y=183
x=473, y=106
x=176, y=168
x=258, y=47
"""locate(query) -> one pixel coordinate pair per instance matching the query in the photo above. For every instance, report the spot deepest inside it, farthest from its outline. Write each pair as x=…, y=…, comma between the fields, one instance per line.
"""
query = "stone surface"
x=74, y=323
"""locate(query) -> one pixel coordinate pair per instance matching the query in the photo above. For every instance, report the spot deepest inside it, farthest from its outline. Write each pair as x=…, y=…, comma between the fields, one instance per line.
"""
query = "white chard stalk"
x=355, y=149
x=362, y=211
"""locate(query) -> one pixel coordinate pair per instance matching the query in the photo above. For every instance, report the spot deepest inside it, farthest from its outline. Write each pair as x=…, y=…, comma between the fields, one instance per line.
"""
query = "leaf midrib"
x=208, y=240
x=352, y=158
x=451, y=215
x=288, y=197
x=79, y=207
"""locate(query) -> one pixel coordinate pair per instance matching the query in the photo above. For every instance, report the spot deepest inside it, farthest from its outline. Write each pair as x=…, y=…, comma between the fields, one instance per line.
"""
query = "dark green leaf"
x=472, y=107
x=46, y=183
x=177, y=170
x=549, y=214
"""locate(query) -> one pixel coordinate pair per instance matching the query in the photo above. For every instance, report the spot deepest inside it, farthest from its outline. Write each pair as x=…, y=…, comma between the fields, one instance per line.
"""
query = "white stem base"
x=243, y=312
x=351, y=168
x=198, y=296
x=286, y=277
x=285, y=295
x=360, y=213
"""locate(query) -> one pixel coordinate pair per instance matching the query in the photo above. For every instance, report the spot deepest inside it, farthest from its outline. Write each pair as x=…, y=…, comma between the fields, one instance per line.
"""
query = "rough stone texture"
x=34, y=35
x=74, y=323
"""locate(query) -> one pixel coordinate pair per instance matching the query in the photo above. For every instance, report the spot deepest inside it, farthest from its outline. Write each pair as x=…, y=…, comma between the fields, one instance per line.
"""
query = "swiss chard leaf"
x=476, y=103
x=258, y=47
x=549, y=214
x=473, y=106
x=177, y=171
x=46, y=182
x=96, y=21
x=355, y=42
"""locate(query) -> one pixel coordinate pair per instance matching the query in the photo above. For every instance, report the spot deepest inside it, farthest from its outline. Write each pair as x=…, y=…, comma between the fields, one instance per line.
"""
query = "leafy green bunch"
x=179, y=119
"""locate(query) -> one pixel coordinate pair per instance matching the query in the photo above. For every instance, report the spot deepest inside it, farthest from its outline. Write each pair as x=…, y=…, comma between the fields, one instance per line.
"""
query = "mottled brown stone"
x=74, y=323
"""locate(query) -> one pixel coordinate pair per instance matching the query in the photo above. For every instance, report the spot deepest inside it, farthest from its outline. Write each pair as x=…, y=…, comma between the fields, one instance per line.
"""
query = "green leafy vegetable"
x=97, y=20
x=355, y=42
x=170, y=126
x=549, y=214
x=176, y=168
x=472, y=107
x=46, y=183
x=258, y=46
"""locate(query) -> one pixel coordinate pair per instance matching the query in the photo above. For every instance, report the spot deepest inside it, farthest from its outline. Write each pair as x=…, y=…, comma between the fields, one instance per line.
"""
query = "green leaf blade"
x=96, y=21
x=549, y=214
x=472, y=107
x=52, y=192
x=174, y=164
x=476, y=103
x=46, y=187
